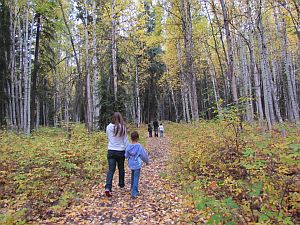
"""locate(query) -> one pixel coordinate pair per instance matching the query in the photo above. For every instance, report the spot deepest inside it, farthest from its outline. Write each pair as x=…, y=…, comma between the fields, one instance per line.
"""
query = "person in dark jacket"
x=150, y=130
x=155, y=125
x=135, y=153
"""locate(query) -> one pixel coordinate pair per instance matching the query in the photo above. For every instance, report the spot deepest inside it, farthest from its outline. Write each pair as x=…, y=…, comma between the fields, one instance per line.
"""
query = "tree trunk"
x=35, y=70
x=95, y=85
x=184, y=86
x=185, y=11
x=89, y=111
x=78, y=94
x=114, y=49
x=281, y=30
x=265, y=77
x=12, y=59
x=229, y=52
x=27, y=79
x=254, y=71
x=137, y=90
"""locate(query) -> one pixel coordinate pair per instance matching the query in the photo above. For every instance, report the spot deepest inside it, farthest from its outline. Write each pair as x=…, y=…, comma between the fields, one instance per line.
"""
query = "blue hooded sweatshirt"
x=135, y=154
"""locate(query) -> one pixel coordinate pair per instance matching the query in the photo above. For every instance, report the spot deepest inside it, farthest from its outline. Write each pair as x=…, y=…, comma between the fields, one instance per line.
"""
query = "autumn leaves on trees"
x=174, y=60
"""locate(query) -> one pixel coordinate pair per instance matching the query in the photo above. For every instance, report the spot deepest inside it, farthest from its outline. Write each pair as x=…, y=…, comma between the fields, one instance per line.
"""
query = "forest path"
x=159, y=202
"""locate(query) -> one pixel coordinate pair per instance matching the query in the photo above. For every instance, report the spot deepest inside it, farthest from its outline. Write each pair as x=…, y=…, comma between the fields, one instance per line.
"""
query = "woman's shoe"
x=108, y=193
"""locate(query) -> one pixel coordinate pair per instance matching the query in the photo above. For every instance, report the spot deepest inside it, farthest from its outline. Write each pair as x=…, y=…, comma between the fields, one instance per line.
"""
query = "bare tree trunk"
x=35, y=70
x=78, y=94
x=89, y=110
x=114, y=48
x=21, y=102
x=137, y=90
x=216, y=48
x=246, y=84
x=229, y=52
x=173, y=101
x=95, y=85
x=265, y=77
x=185, y=11
x=66, y=98
x=12, y=30
x=212, y=73
x=184, y=86
x=226, y=79
x=281, y=30
x=38, y=113
x=132, y=93
x=274, y=92
x=27, y=79
x=254, y=69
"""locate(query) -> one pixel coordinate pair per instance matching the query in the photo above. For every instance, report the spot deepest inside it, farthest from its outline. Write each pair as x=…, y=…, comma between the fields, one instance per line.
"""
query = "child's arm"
x=126, y=153
x=144, y=155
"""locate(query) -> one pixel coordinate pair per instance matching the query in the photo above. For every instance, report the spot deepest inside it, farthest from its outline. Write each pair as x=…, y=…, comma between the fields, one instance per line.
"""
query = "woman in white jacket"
x=117, y=143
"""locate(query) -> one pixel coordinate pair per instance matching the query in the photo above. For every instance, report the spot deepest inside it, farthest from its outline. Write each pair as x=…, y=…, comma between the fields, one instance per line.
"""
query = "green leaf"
x=201, y=206
x=230, y=223
x=248, y=152
x=230, y=203
x=263, y=218
x=215, y=219
x=256, y=189
x=288, y=221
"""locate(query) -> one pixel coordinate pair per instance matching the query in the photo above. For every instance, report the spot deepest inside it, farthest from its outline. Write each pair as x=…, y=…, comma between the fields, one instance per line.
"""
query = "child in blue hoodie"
x=135, y=153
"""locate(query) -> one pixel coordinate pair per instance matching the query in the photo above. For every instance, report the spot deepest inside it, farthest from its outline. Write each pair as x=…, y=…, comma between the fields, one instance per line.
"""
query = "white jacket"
x=161, y=128
x=115, y=142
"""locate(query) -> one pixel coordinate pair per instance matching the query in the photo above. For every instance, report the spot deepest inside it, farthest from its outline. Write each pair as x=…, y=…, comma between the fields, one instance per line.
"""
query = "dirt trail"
x=159, y=202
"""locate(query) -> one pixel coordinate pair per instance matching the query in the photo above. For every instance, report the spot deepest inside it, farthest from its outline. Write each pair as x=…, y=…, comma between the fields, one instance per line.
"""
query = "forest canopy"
x=180, y=60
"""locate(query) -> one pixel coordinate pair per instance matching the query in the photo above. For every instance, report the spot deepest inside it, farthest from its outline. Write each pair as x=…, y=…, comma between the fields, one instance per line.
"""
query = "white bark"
x=95, y=85
x=184, y=86
x=189, y=70
x=27, y=79
x=89, y=111
x=114, y=48
x=264, y=73
x=281, y=30
x=137, y=90
x=12, y=29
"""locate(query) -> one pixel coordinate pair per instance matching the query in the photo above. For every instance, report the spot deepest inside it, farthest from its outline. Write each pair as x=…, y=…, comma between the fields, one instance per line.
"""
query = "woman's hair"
x=117, y=120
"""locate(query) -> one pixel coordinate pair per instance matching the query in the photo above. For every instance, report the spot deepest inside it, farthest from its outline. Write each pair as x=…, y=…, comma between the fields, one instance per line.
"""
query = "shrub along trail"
x=160, y=200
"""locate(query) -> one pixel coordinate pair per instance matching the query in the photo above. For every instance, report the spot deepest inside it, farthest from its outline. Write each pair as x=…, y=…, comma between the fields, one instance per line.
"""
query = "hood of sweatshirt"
x=133, y=149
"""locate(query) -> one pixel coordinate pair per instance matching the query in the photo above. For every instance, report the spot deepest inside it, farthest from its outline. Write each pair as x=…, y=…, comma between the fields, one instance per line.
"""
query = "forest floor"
x=160, y=201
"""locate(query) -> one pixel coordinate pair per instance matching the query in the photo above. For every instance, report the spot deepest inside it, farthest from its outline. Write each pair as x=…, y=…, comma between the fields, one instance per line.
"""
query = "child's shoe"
x=108, y=193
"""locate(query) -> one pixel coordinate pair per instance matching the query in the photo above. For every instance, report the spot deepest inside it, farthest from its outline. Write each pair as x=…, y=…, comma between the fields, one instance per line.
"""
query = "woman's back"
x=116, y=141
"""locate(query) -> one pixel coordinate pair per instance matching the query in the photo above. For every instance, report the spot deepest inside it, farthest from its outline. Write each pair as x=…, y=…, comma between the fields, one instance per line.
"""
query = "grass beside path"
x=41, y=175
x=239, y=177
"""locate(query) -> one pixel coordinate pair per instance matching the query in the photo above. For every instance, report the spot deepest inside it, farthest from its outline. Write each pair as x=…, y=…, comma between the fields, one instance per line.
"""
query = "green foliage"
x=42, y=174
x=236, y=174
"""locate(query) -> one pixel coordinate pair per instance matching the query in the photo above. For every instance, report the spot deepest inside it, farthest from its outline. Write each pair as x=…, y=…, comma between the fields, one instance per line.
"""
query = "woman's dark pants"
x=115, y=158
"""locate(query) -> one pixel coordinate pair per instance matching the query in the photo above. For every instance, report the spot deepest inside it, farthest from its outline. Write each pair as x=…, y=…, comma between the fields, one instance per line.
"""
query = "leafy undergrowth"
x=42, y=174
x=237, y=177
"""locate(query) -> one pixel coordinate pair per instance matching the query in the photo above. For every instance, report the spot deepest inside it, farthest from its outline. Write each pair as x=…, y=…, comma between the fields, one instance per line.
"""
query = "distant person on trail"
x=150, y=130
x=161, y=130
x=117, y=143
x=155, y=125
x=135, y=153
